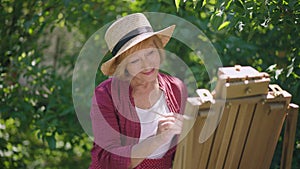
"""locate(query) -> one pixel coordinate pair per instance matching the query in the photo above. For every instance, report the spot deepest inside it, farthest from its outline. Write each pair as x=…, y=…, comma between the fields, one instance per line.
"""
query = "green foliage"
x=39, y=125
x=40, y=41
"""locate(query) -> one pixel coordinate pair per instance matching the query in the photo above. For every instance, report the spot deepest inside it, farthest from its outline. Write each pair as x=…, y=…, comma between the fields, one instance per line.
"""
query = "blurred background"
x=41, y=40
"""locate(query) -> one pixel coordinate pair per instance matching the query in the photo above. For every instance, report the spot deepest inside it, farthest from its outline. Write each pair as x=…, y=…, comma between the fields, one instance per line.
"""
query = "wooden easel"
x=238, y=125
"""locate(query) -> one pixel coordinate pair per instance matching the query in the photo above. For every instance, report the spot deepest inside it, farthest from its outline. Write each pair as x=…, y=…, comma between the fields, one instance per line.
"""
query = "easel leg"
x=289, y=137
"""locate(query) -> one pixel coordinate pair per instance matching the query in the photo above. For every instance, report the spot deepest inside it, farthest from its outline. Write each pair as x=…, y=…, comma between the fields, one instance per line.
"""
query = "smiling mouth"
x=149, y=72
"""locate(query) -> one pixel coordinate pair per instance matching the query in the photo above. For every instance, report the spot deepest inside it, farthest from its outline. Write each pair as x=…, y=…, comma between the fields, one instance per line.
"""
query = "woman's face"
x=144, y=64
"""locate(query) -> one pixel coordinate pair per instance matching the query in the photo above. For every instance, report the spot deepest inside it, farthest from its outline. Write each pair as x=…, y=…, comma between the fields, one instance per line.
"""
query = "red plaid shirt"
x=116, y=127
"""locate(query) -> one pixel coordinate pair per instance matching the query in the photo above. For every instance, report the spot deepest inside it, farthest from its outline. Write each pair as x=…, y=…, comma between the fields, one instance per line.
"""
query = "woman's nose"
x=145, y=62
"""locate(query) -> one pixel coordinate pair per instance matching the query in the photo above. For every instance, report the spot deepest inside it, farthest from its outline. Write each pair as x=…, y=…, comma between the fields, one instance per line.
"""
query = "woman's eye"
x=151, y=52
x=134, y=61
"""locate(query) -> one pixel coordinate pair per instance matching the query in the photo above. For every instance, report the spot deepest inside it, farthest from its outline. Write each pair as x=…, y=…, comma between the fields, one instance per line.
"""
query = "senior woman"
x=136, y=113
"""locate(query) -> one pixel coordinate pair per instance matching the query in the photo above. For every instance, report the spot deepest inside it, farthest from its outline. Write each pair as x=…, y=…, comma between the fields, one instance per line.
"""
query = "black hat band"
x=129, y=36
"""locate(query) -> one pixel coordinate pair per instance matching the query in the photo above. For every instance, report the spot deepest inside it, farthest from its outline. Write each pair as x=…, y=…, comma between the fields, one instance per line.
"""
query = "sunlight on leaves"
x=177, y=3
x=224, y=25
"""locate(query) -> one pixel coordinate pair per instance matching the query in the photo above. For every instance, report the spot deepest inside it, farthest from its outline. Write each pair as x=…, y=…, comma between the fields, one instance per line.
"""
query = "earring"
x=126, y=73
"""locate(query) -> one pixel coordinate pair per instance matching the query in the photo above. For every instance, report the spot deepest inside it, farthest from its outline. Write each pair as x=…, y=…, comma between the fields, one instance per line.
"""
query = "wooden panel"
x=262, y=138
x=183, y=157
x=222, y=138
x=197, y=148
x=277, y=116
x=208, y=131
x=204, y=153
x=238, y=89
x=289, y=137
x=238, y=140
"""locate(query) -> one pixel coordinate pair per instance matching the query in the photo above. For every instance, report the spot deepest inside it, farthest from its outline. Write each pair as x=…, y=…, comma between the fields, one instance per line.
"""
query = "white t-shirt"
x=149, y=122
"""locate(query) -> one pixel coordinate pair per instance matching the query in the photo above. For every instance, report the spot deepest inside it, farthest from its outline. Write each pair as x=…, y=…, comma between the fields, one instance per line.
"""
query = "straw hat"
x=128, y=31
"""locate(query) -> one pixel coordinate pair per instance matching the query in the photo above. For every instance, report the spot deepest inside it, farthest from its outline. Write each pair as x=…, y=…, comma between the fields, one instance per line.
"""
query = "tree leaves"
x=177, y=3
x=51, y=142
x=223, y=25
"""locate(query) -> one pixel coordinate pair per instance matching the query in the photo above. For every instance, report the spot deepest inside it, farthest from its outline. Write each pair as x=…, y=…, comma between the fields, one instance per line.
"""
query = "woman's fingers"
x=166, y=119
x=170, y=123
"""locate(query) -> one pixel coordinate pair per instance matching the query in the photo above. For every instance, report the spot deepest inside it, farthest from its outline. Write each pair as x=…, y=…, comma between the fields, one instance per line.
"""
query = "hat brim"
x=164, y=35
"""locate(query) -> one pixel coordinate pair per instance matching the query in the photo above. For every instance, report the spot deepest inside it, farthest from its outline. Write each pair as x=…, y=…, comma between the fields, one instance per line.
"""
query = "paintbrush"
x=186, y=117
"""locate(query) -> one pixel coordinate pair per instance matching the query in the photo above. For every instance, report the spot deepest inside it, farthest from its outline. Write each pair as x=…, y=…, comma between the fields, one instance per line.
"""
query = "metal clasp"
x=276, y=91
x=205, y=96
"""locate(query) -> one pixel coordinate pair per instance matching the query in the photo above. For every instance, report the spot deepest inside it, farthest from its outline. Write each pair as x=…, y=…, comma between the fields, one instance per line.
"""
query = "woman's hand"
x=169, y=125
